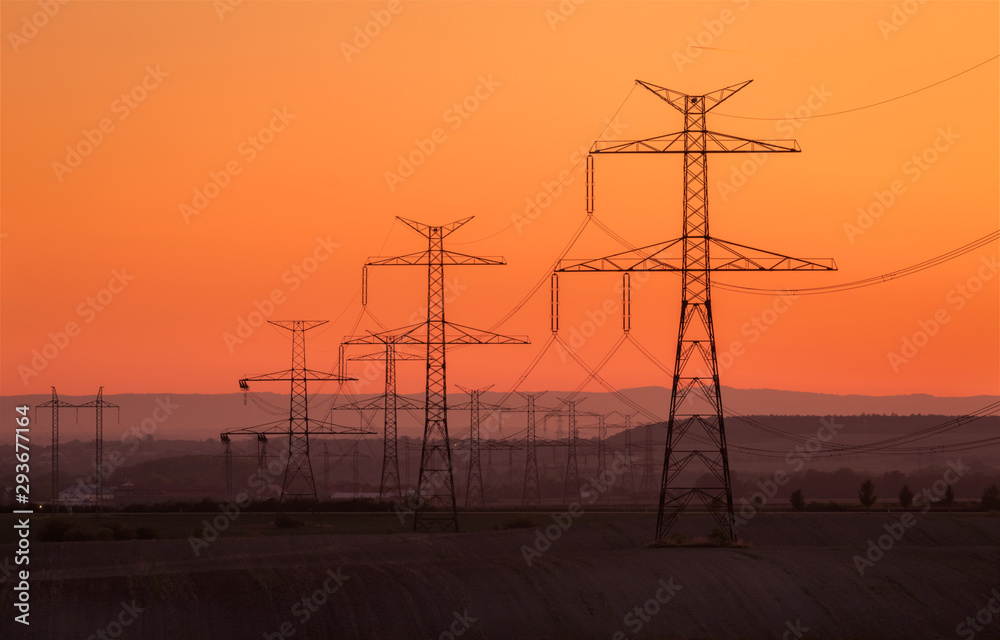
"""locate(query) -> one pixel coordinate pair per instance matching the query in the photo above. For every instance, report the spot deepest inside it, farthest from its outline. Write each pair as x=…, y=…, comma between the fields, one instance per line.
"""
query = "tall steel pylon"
x=436, y=507
x=602, y=444
x=99, y=404
x=55, y=404
x=299, y=481
x=696, y=366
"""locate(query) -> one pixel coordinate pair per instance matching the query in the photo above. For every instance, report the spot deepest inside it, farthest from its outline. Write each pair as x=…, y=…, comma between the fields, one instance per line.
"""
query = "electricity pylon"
x=474, y=496
x=299, y=481
x=391, y=402
x=572, y=465
x=99, y=404
x=436, y=508
x=55, y=404
x=532, y=494
x=696, y=366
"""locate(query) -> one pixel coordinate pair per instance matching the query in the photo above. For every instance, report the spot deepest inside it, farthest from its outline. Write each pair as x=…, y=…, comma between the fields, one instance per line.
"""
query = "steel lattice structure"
x=390, y=484
x=474, y=495
x=694, y=255
x=299, y=481
x=99, y=404
x=55, y=404
x=436, y=507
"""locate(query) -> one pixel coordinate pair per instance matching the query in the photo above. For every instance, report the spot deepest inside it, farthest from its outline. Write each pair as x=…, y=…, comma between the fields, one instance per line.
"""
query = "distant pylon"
x=571, y=486
x=532, y=494
x=390, y=485
x=55, y=404
x=474, y=496
x=99, y=405
x=628, y=483
x=228, y=453
x=602, y=444
x=299, y=481
x=696, y=365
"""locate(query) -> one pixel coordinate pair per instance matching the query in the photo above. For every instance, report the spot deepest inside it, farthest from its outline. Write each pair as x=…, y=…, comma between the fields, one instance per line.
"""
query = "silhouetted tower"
x=532, y=495
x=262, y=463
x=99, y=405
x=474, y=496
x=647, y=460
x=436, y=507
x=390, y=485
x=696, y=366
x=602, y=444
x=628, y=482
x=572, y=482
x=228, y=453
x=55, y=404
x=299, y=481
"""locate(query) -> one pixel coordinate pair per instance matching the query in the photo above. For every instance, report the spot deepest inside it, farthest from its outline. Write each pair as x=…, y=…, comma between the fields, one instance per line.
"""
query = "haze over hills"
x=204, y=416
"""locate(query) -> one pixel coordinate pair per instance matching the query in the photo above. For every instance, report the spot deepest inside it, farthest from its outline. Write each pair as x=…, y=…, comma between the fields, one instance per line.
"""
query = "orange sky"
x=183, y=90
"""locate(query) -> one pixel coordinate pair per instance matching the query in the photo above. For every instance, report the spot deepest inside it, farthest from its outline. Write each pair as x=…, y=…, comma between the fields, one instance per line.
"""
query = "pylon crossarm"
x=667, y=256
x=403, y=335
x=742, y=258
x=379, y=356
x=651, y=257
x=448, y=258
x=677, y=143
x=425, y=229
x=677, y=100
x=468, y=335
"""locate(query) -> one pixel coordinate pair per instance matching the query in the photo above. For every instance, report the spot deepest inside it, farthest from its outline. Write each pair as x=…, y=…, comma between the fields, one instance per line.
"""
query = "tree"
x=798, y=500
x=949, y=497
x=866, y=494
x=906, y=496
x=991, y=498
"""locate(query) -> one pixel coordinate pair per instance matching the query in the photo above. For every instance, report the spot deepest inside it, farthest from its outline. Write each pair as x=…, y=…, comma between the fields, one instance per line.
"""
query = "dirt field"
x=597, y=579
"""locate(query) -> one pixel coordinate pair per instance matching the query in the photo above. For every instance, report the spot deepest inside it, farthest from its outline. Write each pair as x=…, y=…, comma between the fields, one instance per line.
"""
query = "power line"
x=867, y=282
x=874, y=104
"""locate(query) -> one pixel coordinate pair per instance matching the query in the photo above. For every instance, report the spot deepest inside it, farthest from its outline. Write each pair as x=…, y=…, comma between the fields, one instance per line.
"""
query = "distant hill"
x=204, y=416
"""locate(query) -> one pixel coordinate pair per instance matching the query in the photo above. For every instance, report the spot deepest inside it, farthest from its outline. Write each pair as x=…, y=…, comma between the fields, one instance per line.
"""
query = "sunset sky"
x=170, y=168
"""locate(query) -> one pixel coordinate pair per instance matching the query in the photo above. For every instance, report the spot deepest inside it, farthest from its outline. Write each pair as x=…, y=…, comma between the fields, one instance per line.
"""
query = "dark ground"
x=795, y=576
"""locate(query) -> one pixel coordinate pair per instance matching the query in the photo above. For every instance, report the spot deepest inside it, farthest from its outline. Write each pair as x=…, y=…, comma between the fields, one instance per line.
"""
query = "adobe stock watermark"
x=894, y=532
x=580, y=334
x=914, y=168
x=455, y=116
x=562, y=12
x=590, y=491
x=225, y=7
x=123, y=106
x=87, y=310
x=305, y=607
x=796, y=460
x=794, y=120
x=552, y=189
x=639, y=616
x=115, y=459
x=293, y=277
x=754, y=328
x=364, y=35
x=714, y=27
x=983, y=619
x=957, y=298
x=30, y=26
x=794, y=630
x=900, y=15
x=130, y=612
x=248, y=149
x=461, y=622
